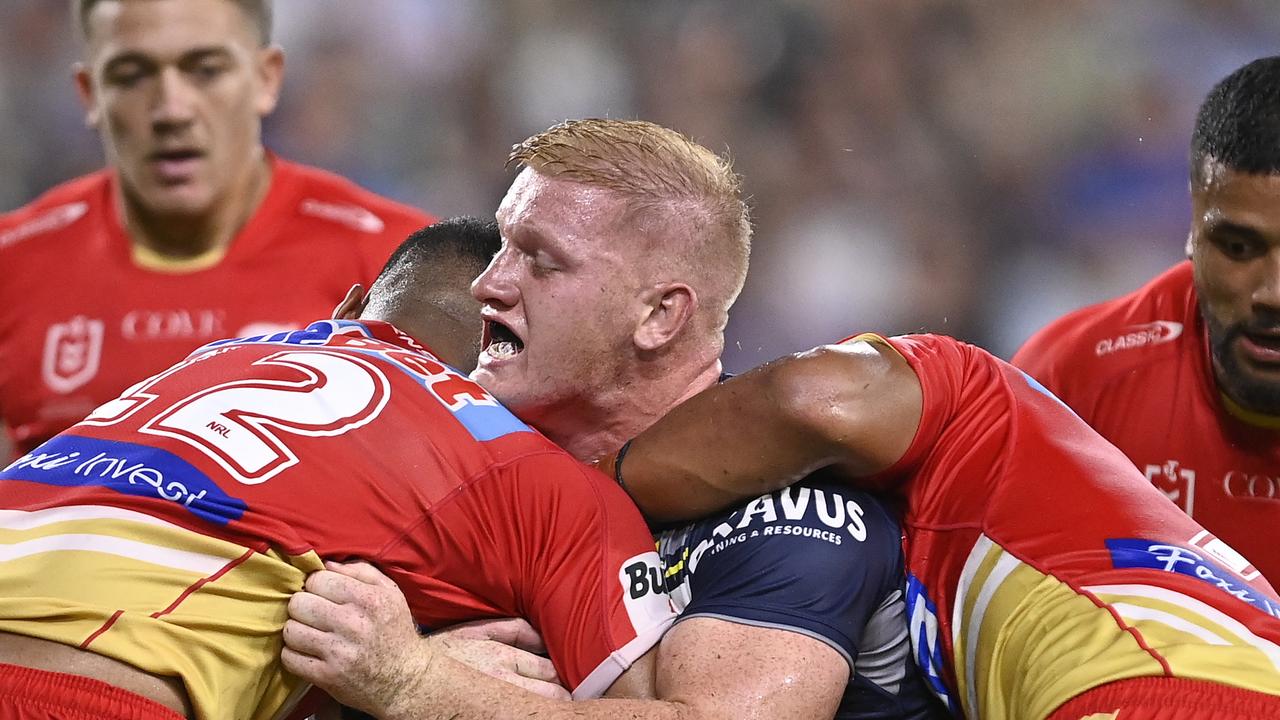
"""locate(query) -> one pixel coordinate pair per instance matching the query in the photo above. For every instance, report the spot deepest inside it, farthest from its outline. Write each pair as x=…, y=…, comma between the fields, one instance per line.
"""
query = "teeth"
x=504, y=349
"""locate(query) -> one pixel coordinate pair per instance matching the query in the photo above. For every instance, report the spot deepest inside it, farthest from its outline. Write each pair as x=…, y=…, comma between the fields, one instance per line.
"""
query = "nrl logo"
x=72, y=351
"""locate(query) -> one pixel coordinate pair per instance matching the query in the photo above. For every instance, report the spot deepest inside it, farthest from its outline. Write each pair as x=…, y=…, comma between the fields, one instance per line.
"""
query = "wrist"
x=417, y=687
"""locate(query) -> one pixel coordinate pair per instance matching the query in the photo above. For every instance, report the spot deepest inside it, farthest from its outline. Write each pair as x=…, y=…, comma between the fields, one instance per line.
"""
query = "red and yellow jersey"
x=169, y=528
x=1042, y=564
x=84, y=314
x=1137, y=369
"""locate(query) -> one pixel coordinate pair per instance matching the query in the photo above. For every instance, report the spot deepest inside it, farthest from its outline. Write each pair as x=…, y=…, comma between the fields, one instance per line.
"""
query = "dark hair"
x=258, y=11
x=465, y=238
x=1239, y=123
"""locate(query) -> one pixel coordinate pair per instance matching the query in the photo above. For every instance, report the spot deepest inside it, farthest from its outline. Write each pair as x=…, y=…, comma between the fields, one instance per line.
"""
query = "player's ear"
x=668, y=307
x=352, y=305
x=1190, y=237
x=84, y=90
x=270, y=78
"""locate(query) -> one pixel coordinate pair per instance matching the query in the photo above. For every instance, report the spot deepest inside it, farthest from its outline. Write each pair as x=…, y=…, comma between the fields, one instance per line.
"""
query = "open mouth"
x=500, y=341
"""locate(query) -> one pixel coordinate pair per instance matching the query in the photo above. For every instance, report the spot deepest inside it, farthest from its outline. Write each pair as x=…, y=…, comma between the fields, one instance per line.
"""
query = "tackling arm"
x=856, y=406
x=351, y=633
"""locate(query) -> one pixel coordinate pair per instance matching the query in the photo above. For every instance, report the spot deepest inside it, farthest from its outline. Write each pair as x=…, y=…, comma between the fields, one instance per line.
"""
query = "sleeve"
x=585, y=569
x=1039, y=357
x=940, y=364
x=815, y=559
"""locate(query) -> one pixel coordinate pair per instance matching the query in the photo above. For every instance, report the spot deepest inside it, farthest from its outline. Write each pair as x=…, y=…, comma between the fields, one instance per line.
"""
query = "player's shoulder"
x=55, y=212
x=333, y=199
x=1117, y=335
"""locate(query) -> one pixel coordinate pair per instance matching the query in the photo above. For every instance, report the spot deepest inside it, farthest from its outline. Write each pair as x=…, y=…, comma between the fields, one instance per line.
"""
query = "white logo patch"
x=353, y=216
x=1136, y=336
x=54, y=218
x=643, y=591
x=72, y=351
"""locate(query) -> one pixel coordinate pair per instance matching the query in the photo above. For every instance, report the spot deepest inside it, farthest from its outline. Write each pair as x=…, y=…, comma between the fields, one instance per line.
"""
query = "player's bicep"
x=732, y=671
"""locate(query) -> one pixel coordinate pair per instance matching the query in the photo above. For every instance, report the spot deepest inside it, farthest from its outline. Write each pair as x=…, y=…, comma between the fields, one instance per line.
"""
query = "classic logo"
x=353, y=216
x=54, y=218
x=72, y=351
x=1136, y=336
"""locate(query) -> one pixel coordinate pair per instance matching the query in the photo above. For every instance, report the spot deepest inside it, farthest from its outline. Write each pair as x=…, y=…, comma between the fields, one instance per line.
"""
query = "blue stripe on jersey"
x=1035, y=385
x=73, y=461
x=1136, y=553
x=922, y=623
x=317, y=333
x=485, y=419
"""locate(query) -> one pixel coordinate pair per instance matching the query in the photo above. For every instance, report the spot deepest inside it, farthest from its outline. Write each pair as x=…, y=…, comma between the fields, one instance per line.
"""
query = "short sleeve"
x=816, y=559
x=584, y=567
x=939, y=362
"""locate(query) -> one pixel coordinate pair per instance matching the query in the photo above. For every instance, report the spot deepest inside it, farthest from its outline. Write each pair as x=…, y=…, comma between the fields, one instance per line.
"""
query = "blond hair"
x=675, y=186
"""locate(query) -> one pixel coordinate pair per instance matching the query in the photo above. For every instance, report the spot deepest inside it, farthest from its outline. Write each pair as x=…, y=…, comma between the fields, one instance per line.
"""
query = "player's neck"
x=619, y=415
x=182, y=238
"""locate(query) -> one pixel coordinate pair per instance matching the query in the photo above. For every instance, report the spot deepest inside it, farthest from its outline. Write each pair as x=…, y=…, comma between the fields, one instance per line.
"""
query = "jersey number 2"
x=239, y=424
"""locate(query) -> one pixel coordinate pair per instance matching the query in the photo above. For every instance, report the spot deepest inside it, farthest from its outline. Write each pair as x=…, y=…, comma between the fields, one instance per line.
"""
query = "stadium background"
x=974, y=168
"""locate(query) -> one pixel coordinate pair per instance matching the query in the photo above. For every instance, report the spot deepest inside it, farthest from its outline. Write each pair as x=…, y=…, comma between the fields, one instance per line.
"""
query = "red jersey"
x=81, y=319
x=1042, y=564
x=1137, y=369
x=169, y=528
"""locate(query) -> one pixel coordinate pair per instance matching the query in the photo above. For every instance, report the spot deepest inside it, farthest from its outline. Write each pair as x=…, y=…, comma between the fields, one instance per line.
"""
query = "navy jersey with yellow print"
x=818, y=559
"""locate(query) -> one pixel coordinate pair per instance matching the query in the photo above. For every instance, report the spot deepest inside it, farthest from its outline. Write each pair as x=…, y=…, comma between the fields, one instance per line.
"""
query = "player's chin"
x=492, y=377
x=178, y=200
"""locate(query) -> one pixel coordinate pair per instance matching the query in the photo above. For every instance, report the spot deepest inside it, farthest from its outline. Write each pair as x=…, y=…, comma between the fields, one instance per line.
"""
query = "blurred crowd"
x=973, y=167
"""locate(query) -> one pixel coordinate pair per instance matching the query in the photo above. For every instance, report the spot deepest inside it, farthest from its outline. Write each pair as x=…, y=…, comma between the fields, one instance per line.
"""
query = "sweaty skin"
x=855, y=406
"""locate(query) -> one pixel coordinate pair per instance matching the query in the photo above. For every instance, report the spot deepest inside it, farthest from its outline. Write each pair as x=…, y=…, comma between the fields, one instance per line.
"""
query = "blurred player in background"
x=1183, y=375
x=193, y=232
x=624, y=245
x=1046, y=577
x=147, y=553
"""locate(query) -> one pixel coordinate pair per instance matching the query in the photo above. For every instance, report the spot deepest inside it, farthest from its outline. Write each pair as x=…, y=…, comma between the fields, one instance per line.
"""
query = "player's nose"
x=174, y=102
x=496, y=285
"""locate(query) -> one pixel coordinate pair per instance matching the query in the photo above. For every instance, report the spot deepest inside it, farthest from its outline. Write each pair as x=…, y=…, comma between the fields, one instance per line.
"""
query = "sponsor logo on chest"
x=179, y=324
x=1136, y=336
x=793, y=512
x=1241, y=484
x=1179, y=483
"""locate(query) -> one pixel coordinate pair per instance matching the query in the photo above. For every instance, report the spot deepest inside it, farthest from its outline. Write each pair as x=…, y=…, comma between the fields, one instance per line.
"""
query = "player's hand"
x=504, y=649
x=350, y=633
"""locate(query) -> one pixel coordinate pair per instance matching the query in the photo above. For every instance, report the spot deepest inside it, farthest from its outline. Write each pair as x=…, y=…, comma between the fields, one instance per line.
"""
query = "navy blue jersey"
x=819, y=559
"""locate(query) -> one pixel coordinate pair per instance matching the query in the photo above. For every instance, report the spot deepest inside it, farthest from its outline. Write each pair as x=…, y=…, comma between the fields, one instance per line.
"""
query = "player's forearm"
x=731, y=442
x=852, y=407
x=450, y=690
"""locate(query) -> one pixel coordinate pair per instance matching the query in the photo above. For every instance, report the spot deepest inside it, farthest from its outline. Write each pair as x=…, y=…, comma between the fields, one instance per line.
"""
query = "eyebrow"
x=195, y=54
x=1219, y=226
